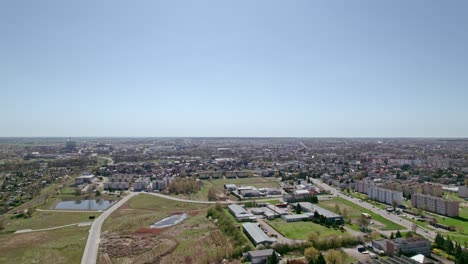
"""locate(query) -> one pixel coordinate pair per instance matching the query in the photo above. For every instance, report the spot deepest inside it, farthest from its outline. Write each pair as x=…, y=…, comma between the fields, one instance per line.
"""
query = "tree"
x=320, y=259
x=414, y=228
x=298, y=208
x=394, y=204
x=363, y=222
x=335, y=257
x=311, y=254
x=439, y=241
x=77, y=191
x=398, y=234
x=212, y=194
x=98, y=193
x=345, y=213
x=409, y=234
x=337, y=209
x=273, y=259
x=448, y=246
x=392, y=236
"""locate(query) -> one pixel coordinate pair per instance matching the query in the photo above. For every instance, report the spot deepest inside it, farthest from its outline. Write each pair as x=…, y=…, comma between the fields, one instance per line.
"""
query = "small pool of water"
x=170, y=221
x=84, y=205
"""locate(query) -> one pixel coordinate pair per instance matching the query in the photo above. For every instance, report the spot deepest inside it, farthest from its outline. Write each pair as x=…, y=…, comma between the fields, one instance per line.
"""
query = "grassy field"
x=41, y=220
x=301, y=230
x=196, y=237
x=143, y=210
x=64, y=245
x=218, y=184
x=355, y=211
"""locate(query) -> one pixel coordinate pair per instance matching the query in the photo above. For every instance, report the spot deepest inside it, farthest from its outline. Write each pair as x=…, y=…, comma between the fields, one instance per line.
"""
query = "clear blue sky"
x=234, y=68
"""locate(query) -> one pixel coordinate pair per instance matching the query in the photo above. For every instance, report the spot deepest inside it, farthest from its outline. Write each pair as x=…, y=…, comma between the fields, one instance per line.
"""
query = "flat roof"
x=86, y=176
x=257, y=234
x=261, y=253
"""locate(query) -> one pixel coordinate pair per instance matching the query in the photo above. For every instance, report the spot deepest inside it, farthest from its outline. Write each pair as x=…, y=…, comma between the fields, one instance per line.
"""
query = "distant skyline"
x=234, y=68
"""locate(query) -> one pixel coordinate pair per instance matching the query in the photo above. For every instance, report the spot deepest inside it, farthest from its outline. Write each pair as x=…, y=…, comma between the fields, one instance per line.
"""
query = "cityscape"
x=234, y=132
x=231, y=200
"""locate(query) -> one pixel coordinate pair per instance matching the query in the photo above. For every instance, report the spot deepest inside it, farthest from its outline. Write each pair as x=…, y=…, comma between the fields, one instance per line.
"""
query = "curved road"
x=429, y=234
x=92, y=245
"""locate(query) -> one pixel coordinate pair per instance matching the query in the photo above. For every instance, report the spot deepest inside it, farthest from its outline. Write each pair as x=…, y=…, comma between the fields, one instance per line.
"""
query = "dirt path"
x=52, y=228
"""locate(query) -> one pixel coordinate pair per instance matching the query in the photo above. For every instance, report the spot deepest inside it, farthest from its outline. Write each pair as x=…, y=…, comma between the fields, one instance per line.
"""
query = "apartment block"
x=463, y=191
x=362, y=186
x=385, y=195
x=432, y=189
x=435, y=204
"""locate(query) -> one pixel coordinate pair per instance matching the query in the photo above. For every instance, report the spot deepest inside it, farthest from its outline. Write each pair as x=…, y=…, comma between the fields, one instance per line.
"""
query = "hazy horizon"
x=326, y=69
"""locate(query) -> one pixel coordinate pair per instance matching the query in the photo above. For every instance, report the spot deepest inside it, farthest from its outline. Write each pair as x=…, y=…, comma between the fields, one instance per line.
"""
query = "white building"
x=385, y=195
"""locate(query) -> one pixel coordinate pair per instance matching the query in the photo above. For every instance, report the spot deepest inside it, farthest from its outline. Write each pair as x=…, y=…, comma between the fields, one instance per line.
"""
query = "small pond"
x=84, y=205
x=170, y=221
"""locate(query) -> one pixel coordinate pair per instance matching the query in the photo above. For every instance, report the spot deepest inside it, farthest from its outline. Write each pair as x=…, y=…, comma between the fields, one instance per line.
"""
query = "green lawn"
x=300, y=230
x=355, y=211
x=143, y=210
x=218, y=184
x=64, y=245
x=41, y=220
x=197, y=236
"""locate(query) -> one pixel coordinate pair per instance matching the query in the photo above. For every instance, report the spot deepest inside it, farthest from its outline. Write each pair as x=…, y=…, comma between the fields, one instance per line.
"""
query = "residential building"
x=435, y=204
x=432, y=189
x=362, y=186
x=116, y=185
x=463, y=191
x=385, y=195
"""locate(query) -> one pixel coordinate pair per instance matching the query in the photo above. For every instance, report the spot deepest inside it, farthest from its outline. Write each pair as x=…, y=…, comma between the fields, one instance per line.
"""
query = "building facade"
x=385, y=195
x=435, y=204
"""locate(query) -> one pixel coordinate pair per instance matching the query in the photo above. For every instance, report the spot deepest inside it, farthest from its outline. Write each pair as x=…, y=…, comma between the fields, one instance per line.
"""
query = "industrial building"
x=259, y=256
x=330, y=217
x=88, y=178
x=397, y=246
x=256, y=235
x=240, y=214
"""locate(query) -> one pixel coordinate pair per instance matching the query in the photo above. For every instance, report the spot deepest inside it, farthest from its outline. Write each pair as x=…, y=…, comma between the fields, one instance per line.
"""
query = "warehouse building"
x=240, y=213
x=256, y=235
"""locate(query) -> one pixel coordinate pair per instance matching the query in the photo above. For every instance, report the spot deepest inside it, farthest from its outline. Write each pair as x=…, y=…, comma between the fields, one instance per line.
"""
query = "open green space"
x=301, y=230
x=143, y=210
x=65, y=245
x=40, y=220
x=355, y=211
x=218, y=184
x=196, y=237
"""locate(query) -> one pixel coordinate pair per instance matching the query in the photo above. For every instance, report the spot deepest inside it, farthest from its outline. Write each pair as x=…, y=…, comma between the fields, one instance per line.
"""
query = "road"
x=92, y=244
x=429, y=234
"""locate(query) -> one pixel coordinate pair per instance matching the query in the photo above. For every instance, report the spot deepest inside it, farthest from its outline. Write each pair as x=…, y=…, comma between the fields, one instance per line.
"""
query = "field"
x=127, y=238
x=301, y=230
x=41, y=220
x=64, y=245
x=355, y=211
x=218, y=184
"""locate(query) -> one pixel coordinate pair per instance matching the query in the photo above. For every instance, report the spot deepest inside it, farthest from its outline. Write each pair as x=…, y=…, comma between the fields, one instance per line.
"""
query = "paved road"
x=392, y=217
x=92, y=244
x=52, y=228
